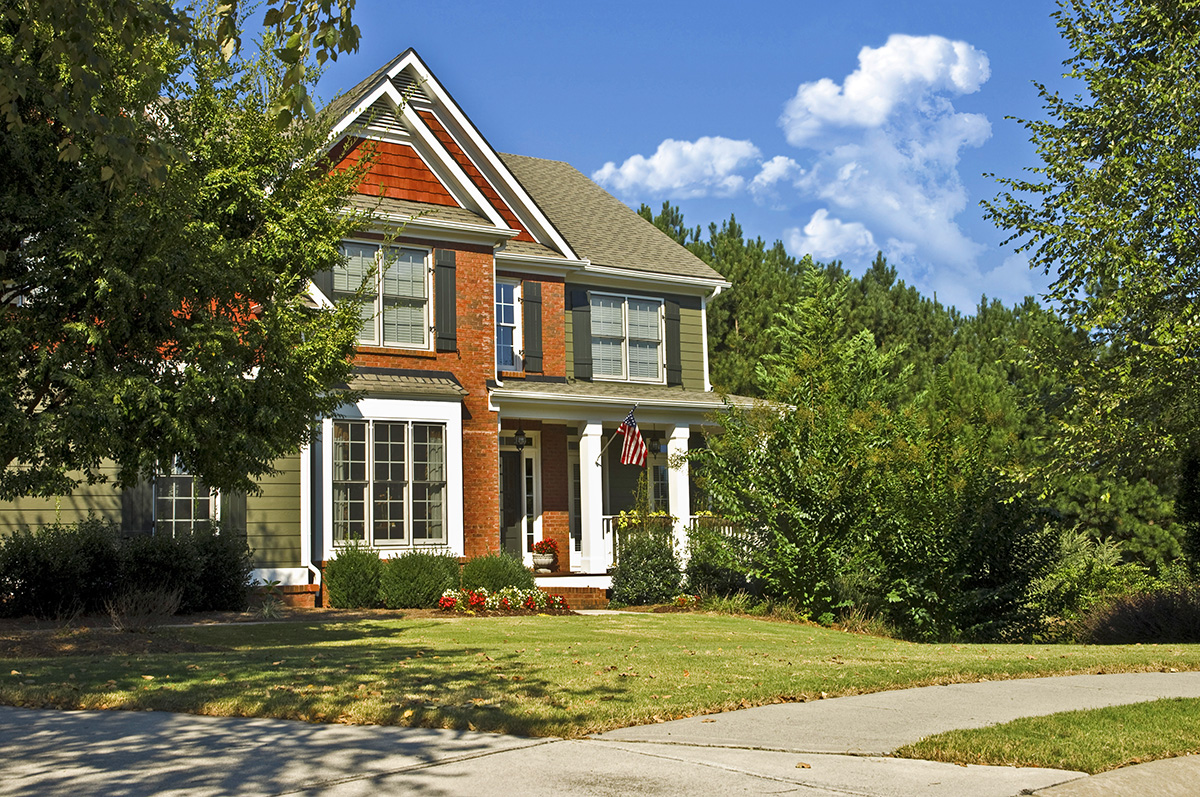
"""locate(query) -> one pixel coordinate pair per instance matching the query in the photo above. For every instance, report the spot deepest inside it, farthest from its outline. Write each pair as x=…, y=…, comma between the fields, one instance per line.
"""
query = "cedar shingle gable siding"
x=397, y=172
x=468, y=166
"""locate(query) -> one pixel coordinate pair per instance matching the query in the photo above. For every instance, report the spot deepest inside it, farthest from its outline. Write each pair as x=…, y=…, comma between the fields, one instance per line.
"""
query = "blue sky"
x=838, y=128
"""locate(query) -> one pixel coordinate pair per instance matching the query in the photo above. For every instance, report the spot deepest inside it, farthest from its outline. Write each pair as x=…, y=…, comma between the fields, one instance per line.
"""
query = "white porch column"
x=679, y=494
x=595, y=555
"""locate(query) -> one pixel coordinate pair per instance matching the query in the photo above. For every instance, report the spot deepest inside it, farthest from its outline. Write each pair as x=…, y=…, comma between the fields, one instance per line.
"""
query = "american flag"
x=634, y=450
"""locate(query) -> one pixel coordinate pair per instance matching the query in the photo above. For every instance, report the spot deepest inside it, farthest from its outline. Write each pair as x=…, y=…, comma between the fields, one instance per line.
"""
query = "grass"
x=1088, y=741
x=542, y=676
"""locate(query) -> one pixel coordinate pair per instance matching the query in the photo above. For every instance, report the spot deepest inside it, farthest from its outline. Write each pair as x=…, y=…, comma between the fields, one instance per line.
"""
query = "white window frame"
x=375, y=296
x=371, y=488
x=381, y=409
x=517, y=325
x=624, y=376
x=172, y=525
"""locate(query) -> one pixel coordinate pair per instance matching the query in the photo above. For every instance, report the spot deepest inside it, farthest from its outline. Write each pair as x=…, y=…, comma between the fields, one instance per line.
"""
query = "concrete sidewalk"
x=792, y=748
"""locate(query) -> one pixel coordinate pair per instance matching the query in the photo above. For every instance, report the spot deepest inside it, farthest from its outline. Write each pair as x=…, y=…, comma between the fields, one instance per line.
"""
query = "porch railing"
x=737, y=536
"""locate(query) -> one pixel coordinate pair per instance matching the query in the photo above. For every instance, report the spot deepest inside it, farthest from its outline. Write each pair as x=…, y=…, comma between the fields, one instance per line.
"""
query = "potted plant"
x=544, y=554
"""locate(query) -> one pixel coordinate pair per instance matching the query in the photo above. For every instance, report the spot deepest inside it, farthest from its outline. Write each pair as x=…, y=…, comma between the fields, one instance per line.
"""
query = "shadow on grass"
x=360, y=673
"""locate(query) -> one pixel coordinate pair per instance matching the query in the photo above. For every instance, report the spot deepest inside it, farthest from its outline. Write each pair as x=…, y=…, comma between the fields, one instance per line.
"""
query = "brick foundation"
x=580, y=597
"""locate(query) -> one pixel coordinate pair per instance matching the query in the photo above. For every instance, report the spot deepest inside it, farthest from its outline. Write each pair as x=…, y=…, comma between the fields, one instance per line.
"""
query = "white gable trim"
x=526, y=207
x=459, y=184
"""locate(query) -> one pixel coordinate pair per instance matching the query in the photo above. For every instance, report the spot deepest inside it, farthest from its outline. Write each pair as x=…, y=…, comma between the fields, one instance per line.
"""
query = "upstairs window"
x=508, y=327
x=627, y=335
x=396, y=311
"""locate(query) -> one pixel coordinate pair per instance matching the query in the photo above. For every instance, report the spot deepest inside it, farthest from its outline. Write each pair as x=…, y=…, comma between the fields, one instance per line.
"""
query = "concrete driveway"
x=830, y=747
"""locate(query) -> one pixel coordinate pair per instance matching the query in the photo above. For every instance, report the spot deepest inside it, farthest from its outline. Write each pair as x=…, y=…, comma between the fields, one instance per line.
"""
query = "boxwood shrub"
x=352, y=577
x=496, y=571
x=417, y=579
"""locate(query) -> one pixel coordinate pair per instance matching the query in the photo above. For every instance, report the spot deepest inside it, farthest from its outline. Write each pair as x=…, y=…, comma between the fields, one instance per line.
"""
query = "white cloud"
x=885, y=150
x=780, y=169
x=827, y=238
x=683, y=169
x=905, y=70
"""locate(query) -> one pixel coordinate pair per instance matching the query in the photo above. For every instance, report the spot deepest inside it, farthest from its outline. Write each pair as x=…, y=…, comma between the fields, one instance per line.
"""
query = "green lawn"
x=1088, y=741
x=561, y=676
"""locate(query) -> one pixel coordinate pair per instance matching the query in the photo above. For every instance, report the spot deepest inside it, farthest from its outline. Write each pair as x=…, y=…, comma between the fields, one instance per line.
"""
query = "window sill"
x=396, y=351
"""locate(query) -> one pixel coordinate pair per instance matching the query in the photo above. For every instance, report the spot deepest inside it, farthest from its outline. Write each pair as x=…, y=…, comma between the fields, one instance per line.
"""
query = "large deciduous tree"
x=1114, y=212
x=160, y=317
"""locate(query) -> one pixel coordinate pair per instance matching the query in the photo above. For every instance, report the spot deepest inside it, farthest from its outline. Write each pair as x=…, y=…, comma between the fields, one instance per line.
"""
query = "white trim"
x=662, y=339
x=306, y=514
x=704, y=339
x=518, y=344
x=383, y=409
x=286, y=576
x=445, y=102
x=592, y=581
x=679, y=497
x=630, y=275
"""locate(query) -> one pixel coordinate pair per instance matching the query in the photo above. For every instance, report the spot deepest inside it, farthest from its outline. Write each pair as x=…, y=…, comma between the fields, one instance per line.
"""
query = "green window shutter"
x=531, y=303
x=137, y=508
x=674, y=361
x=581, y=333
x=445, y=291
x=233, y=511
x=324, y=282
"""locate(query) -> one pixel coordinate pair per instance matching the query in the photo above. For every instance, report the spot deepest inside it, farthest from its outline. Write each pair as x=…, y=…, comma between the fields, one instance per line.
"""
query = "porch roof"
x=577, y=394
x=397, y=382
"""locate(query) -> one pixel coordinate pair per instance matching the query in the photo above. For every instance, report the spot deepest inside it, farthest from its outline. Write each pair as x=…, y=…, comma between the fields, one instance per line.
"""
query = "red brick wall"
x=556, y=522
x=473, y=364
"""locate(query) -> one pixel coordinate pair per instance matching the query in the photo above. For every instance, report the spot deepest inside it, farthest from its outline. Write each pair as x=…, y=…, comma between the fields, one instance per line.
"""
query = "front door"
x=512, y=503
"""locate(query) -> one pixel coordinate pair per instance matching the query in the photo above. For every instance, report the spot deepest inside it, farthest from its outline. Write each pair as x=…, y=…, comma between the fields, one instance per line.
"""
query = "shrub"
x=158, y=562
x=417, y=579
x=139, y=611
x=715, y=565
x=496, y=571
x=648, y=570
x=352, y=577
x=60, y=571
x=1163, y=616
x=225, y=562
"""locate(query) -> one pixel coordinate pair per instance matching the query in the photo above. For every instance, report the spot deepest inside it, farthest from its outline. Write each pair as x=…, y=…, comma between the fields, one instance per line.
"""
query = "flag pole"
x=614, y=437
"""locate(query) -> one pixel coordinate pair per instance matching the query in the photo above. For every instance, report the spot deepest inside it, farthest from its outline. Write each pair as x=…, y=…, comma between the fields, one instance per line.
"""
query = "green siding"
x=691, y=335
x=273, y=517
x=691, y=347
x=103, y=500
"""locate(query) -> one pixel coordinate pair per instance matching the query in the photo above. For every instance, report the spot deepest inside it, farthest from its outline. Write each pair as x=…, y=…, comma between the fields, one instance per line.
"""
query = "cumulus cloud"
x=780, y=169
x=906, y=70
x=828, y=238
x=683, y=169
x=885, y=149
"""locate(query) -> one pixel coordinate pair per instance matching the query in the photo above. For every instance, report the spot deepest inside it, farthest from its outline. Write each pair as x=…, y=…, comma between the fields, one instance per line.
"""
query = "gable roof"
x=600, y=227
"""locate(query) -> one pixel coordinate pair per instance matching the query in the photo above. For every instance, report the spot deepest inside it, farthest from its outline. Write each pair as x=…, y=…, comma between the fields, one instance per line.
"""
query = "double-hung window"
x=627, y=337
x=389, y=482
x=508, y=327
x=396, y=311
x=181, y=502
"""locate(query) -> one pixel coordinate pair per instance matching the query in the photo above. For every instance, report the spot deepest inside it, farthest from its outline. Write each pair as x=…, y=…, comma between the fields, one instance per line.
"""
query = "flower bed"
x=509, y=600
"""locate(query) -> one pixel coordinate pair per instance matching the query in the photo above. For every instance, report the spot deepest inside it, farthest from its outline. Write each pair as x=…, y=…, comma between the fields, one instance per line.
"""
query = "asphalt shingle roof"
x=630, y=392
x=373, y=205
x=600, y=227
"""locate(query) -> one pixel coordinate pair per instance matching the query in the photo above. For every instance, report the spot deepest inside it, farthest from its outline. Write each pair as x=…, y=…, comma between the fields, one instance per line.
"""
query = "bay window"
x=389, y=482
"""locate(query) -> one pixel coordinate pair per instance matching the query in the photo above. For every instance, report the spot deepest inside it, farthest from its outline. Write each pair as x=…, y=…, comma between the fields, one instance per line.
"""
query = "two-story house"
x=516, y=313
